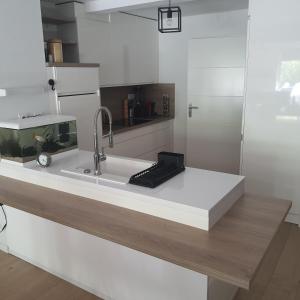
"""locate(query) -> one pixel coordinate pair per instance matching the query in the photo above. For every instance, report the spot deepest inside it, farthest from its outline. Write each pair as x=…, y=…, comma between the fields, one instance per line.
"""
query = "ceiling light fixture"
x=169, y=19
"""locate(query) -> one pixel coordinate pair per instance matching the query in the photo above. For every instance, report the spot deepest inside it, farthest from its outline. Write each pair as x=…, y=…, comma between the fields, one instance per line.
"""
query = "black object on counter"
x=169, y=165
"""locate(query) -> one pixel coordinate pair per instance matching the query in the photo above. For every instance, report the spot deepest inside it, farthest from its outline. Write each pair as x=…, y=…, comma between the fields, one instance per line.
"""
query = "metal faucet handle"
x=102, y=155
x=97, y=159
x=111, y=140
x=97, y=156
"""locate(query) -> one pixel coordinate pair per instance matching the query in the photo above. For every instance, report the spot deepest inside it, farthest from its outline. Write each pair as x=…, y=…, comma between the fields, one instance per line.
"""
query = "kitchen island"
x=162, y=258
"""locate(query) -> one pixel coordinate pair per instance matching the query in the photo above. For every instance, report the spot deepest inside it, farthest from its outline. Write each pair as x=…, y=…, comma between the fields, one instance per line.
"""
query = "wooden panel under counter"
x=232, y=251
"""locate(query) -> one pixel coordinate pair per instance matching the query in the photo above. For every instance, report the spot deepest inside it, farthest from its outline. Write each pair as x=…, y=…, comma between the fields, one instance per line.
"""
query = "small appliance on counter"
x=23, y=139
x=169, y=164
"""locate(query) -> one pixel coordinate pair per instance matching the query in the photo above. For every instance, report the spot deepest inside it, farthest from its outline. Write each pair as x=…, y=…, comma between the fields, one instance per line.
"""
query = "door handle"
x=191, y=107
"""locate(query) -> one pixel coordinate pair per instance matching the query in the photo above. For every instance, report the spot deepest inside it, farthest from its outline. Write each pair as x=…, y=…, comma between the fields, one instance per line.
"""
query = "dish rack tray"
x=157, y=174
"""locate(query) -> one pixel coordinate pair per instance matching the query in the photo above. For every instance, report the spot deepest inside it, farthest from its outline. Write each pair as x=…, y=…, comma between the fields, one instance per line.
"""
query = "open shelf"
x=57, y=21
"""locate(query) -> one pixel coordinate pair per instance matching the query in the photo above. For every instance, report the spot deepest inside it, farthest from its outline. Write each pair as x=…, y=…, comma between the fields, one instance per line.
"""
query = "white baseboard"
x=66, y=278
x=293, y=218
x=4, y=248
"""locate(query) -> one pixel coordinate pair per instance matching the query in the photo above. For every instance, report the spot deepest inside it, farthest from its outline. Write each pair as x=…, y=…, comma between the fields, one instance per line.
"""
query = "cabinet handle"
x=191, y=107
x=51, y=82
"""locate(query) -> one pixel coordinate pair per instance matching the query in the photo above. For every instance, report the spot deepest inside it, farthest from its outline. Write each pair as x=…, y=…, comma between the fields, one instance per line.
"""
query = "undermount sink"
x=113, y=169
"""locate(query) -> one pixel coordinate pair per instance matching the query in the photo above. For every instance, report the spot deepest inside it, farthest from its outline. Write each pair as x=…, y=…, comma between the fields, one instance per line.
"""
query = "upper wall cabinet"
x=126, y=47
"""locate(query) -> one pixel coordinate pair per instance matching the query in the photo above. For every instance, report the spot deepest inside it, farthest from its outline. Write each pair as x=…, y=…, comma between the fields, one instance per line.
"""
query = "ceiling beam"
x=109, y=6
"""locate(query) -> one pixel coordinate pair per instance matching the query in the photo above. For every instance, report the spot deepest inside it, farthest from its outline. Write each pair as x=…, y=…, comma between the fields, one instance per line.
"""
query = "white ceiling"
x=189, y=8
x=200, y=7
x=61, y=1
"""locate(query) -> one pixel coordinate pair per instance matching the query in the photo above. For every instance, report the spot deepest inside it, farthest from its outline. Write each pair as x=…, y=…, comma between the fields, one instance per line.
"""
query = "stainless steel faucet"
x=98, y=157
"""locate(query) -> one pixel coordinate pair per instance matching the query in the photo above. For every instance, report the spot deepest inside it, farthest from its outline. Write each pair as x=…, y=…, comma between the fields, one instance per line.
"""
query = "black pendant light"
x=169, y=19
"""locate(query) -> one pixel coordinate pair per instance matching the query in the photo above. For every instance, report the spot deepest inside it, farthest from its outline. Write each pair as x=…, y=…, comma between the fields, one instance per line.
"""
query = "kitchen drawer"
x=142, y=143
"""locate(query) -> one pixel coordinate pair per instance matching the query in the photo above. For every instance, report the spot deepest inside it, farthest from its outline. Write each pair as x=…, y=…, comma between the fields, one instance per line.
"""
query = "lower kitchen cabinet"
x=143, y=143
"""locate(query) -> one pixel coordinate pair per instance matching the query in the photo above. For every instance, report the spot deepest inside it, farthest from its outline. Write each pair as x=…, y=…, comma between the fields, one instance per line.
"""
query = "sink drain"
x=87, y=171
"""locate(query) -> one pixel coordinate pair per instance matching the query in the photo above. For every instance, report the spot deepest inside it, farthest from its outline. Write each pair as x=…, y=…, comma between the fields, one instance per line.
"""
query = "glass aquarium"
x=23, y=145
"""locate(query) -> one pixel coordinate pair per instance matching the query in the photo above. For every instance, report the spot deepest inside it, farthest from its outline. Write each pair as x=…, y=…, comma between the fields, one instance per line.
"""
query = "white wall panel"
x=22, y=61
x=270, y=158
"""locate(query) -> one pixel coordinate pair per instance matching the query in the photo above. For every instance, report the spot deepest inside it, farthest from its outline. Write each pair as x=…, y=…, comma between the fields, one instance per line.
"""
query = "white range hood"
x=109, y=6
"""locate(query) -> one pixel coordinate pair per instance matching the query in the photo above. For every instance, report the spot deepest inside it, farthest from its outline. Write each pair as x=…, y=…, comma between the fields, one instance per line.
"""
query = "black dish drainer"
x=169, y=165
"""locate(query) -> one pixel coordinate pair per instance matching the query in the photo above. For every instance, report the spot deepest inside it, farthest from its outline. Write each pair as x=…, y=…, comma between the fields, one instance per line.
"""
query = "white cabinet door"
x=83, y=108
x=216, y=88
x=140, y=145
x=126, y=48
x=144, y=142
x=76, y=80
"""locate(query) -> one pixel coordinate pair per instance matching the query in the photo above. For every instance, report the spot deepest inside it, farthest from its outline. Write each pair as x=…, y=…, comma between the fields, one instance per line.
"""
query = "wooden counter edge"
x=270, y=243
x=112, y=222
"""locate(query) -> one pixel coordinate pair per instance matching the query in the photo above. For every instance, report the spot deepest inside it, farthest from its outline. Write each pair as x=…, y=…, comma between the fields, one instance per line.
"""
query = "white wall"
x=270, y=158
x=173, y=57
x=22, y=62
x=126, y=48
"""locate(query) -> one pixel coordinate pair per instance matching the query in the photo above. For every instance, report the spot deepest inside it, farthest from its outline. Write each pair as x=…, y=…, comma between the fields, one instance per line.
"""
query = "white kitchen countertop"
x=195, y=197
x=35, y=121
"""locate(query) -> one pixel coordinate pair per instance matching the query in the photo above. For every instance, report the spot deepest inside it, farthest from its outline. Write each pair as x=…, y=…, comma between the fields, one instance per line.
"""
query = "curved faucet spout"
x=97, y=156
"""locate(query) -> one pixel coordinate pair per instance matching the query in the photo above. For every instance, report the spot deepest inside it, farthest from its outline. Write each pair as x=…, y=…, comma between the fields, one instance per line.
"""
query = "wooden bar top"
x=232, y=251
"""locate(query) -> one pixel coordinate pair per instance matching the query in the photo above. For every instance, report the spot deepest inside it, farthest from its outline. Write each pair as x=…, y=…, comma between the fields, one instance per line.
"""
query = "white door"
x=82, y=107
x=216, y=68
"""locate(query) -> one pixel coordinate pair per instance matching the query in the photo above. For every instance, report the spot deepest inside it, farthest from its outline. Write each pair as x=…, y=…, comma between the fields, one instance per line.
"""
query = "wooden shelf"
x=54, y=21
